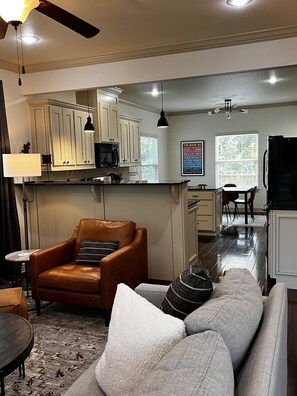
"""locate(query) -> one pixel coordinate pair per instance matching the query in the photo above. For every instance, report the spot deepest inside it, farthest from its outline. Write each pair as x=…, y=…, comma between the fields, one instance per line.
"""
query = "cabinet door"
x=109, y=122
x=124, y=142
x=114, y=124
x=134, y=137
x=69, y=137
x=62, y=135
x=104, y=121
x=282, y=247
x=84, y=141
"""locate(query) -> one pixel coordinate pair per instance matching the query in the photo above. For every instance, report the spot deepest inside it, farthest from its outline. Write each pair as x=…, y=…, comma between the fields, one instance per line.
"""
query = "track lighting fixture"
x=162, y=122
x=229, y=108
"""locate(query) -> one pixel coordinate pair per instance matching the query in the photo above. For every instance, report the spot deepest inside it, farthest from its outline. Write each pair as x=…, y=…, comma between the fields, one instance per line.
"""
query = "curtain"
x=10, y=240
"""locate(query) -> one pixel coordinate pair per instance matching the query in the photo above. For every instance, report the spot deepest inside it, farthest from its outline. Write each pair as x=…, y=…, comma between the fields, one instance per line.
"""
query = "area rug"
x=259, y=221
x=67, y=339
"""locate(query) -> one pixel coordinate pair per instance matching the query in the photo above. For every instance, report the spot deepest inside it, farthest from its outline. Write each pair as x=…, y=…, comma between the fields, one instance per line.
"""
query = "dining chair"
x=232, y=197
x=250, y=203
x=225, y=204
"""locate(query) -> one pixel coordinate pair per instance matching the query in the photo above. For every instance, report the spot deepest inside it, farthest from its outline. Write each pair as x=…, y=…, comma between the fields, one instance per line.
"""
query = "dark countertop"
x=95, y=182
x=206, y=188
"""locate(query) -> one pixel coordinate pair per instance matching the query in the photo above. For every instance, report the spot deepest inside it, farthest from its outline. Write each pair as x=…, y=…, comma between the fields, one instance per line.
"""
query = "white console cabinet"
x=282, y=246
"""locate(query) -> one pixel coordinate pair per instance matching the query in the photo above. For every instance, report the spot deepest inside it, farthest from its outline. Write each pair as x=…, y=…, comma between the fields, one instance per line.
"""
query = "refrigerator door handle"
x=264, y=170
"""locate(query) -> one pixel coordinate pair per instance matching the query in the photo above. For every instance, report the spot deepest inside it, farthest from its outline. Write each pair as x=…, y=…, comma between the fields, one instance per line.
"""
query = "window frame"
x=242, y=161
x=154, y=165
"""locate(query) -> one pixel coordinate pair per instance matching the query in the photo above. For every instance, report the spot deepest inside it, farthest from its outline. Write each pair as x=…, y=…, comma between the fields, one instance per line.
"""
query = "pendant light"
x=162, y=123
x=89, y=127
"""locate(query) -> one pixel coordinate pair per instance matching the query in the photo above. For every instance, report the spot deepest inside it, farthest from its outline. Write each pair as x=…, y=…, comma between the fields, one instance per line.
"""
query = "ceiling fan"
x=17, y=11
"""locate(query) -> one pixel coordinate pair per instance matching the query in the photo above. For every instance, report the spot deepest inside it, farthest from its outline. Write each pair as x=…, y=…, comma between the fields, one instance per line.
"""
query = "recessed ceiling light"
x=155, y=92
x=273, y=80
x=28, y=39
x=238, y=3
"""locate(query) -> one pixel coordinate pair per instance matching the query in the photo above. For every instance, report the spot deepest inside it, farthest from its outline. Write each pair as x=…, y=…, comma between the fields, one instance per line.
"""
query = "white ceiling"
x=141, y=28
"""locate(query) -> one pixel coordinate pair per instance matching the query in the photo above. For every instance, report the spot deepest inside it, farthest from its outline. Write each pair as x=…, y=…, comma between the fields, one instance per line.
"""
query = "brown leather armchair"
x=55, y=276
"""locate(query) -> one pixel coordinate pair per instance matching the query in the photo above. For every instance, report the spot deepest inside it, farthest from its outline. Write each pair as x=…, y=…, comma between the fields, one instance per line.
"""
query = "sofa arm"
x=127, y=265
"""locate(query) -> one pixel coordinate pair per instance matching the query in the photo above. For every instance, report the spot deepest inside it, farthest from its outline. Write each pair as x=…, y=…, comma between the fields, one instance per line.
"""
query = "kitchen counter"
x=96, y=182
x=206, y=188
x=55, y=208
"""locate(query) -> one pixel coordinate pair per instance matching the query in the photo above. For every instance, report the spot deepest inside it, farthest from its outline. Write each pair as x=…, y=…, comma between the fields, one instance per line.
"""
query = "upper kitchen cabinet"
x=106, y=115
x=57, y=128
x=129, y=141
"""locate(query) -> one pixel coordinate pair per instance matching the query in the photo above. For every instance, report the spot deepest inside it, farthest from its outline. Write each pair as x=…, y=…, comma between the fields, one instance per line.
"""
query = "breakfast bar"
x=163, y=208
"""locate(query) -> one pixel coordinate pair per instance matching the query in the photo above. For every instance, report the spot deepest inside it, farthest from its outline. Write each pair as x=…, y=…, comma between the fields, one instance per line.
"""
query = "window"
x=237, y=159
x=149, y=158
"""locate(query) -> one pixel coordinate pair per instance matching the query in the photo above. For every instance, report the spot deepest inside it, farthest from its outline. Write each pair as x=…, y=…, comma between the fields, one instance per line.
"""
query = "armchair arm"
x=127, y=265
x=50, y=257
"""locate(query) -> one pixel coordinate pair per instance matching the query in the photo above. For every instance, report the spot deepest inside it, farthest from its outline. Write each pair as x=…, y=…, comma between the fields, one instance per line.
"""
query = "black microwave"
x=106, y=155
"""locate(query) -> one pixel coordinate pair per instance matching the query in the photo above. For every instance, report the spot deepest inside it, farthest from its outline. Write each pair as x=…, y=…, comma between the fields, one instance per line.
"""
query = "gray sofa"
x=200, y=363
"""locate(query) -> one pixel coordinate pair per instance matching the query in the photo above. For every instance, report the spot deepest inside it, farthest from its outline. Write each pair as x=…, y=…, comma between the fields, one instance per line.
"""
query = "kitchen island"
x=209, y=212
x=56, y=208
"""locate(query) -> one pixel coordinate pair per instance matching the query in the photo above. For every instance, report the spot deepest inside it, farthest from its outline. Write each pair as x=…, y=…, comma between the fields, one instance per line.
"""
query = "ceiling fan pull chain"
x=22, y=51
x=18, y=55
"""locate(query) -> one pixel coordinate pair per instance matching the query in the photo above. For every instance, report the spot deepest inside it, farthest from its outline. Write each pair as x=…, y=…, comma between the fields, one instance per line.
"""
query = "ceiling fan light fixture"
x=238, y=3
x=17, y=10
x=89, y=127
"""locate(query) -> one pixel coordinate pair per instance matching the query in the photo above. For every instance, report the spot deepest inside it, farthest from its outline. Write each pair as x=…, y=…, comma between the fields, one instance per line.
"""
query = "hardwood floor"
x=245, y=247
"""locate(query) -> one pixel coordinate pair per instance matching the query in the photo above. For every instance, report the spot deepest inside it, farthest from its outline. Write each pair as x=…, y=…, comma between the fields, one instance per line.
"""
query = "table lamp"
x=22, y=165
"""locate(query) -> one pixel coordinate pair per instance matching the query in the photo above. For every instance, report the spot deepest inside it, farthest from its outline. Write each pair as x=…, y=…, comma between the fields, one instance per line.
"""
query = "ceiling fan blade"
x=69, y=20
x=3, y=28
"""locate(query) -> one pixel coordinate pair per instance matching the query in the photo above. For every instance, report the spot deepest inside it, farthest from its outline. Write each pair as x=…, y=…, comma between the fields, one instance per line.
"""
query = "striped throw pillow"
x=187, y=292
x=92, y=252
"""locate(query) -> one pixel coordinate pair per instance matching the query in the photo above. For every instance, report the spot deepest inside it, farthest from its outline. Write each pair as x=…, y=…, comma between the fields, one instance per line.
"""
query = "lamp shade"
x=17, y=10
x=21, y=165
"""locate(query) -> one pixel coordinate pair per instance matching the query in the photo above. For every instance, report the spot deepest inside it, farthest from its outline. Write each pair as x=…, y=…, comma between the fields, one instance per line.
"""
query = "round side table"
x=21, y=256
x=16, y=343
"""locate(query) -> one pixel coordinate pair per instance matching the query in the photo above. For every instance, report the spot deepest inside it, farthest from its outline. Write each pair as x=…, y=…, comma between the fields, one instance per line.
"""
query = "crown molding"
x=195, y=45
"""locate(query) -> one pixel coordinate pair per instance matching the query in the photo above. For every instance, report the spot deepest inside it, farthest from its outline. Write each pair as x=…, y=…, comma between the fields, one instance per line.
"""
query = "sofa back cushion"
x=104, y=230
x=234, y=310
x=265, y=369
x=198, y=365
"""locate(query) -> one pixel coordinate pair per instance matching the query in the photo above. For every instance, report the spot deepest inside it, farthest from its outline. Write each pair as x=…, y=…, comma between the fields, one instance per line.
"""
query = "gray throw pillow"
x=92, y=252
x=187, y=292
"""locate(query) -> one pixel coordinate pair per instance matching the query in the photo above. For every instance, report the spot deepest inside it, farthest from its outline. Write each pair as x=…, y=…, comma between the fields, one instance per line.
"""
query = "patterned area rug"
x=67, y=339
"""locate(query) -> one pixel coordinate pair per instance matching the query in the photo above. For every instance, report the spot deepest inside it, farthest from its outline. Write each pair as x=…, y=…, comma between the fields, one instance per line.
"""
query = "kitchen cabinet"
x=209, y=212
x=106, y=115
x=129, y=141
x=85, y=153
x=57, y=129
x=282, y=248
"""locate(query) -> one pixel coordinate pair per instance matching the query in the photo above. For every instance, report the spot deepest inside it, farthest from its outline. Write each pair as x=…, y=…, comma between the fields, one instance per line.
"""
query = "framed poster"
x=192, y=158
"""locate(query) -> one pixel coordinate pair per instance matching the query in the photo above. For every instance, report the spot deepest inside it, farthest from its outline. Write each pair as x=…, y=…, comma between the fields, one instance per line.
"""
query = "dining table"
x=245, y=191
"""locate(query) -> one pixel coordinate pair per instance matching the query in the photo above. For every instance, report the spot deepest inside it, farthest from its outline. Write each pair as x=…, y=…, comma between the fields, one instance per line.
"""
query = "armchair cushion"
x=92, y=252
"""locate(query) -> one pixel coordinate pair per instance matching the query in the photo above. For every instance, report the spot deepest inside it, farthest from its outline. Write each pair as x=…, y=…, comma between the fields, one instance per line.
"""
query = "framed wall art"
x=192, y=158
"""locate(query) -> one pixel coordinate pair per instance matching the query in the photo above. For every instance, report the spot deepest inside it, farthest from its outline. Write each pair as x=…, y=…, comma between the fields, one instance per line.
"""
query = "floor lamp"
x=22, y=165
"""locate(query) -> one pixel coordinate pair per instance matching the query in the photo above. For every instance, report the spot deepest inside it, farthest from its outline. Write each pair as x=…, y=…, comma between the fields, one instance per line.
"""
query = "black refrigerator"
x=280, y=173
